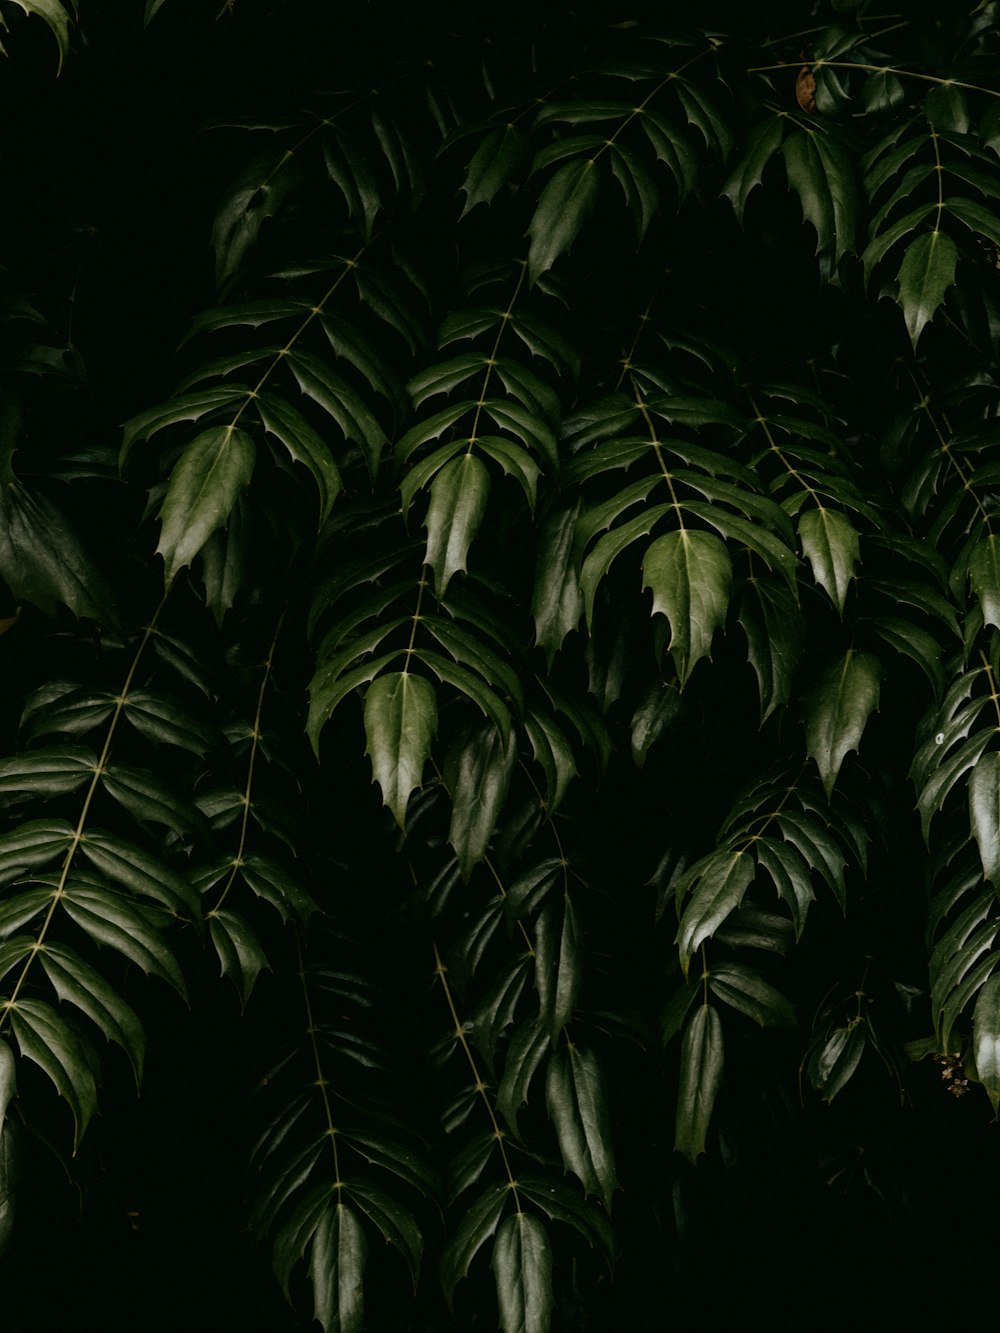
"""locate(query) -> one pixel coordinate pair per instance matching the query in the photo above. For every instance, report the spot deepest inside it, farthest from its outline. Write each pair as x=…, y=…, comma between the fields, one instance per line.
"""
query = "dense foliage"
x=580, y=424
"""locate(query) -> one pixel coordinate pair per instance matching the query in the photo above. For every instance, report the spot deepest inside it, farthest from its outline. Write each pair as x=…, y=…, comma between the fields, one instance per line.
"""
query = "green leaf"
x=986, y=1039
x=479, y=778
x=458, y=501
x=838, y=709
x=136, y=870
x=304, y=445
x=8, y=1083
x=147, y=799
x=498, y=160
x=477, y=1224
x=741, y=988
x=46, y=1039
x=31, y=845
x=555, y=755
x=526, y=1050
x=522, y=1265
x=659, y=707
x=274, y=885
x=50, y=771
x=395, y=1222
x=558, y=963
x=241, y=956
x=56, y=16
x=400, y=722
x=258, y=195
x=112, y=920
x=984, y=813
x=830, y=544
x=336, y=1270
x=565, y=204
x=690, y=575
x=204, y=485
x=577, y=1102
x=701, y=1078
x=716, y=884
x=984, y=577
x=833, y=1060
x=820, y=172
x=77, y=983
x=926, y=273
x=345, y=406
x=764, y=142
x=166, y=721
x=776, y=640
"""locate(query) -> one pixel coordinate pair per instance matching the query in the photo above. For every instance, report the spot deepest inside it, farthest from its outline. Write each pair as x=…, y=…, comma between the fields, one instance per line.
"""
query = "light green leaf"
x=565, y=204
x=986, y=1039
x=716, y=884
x=701, y=1078
x=204, y=485
x=830, y=544
x=522, y=1265
x=984, y=813
x=926, y=273
x=56, y=16
x=400, y=722
x=459, y=494
x=46, y=1039
x=838, y=709
x=690, y=575
x=577, y=1101
x=336, y=1270
x=77, y=983
x=984, y=577
x=478, y=777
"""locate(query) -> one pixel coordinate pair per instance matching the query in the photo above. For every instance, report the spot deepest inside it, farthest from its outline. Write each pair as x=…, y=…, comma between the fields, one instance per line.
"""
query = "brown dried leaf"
x=805, y=91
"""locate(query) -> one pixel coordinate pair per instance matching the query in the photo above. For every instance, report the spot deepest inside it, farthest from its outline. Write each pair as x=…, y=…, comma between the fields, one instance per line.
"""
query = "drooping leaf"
x=701, y=1078
x=830, y=544
x=241, y=955
x=564, y=205
x=690, y=575
x=984, y=577
x=558, y=962
x=522, y=1265
x=926, y=273
x=477, y=1224
x=458, y=501
x=496, y=162
x=716, y=885
x=577, y=1102
x=838, y=709
x=479, y=778
x=336, y=1270
x=986, y=1039
x=204, y=486
x=400, y=722
x=984, y=813
x=45, y=1038
x=77, y=983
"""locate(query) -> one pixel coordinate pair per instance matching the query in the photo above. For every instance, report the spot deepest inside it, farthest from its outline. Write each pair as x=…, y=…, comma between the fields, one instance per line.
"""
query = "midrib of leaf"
x=10, y=1002
x=317, y=310
x=654, y=439
x=944, y=443
x=248, y=786
x=321, y=1081
x=480, y=1085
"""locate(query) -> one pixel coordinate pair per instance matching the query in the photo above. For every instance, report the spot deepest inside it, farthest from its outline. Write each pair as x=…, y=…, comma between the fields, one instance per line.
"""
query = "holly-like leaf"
x=522, y=1266
x=690, y=575
x=45, y=1038
x=926, y=273
x=984, y=577
x=400, y=722
x=336, y=1270
x=496, y=162
x=479, y=777
x=701, y=1078
x=477, y=1224
x=830, y=544
x=716, y=884
x=204, y=485
x=458, y=501
x=838, y=709
x=984, y=813
x=577, y=1100
x=986, y=1039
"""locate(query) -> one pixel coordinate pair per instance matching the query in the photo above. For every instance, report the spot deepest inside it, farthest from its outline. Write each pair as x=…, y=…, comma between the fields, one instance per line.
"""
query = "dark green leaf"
x=400, y=722
x=204, y=486
x=565, y=204
x=690, y=575
x=522, y=1265
x=838, y=709
x=701, y=1077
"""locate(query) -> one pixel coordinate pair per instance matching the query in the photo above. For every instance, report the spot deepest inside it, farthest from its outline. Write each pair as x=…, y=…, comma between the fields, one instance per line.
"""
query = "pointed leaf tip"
x=400, y=723
x=838, y=710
